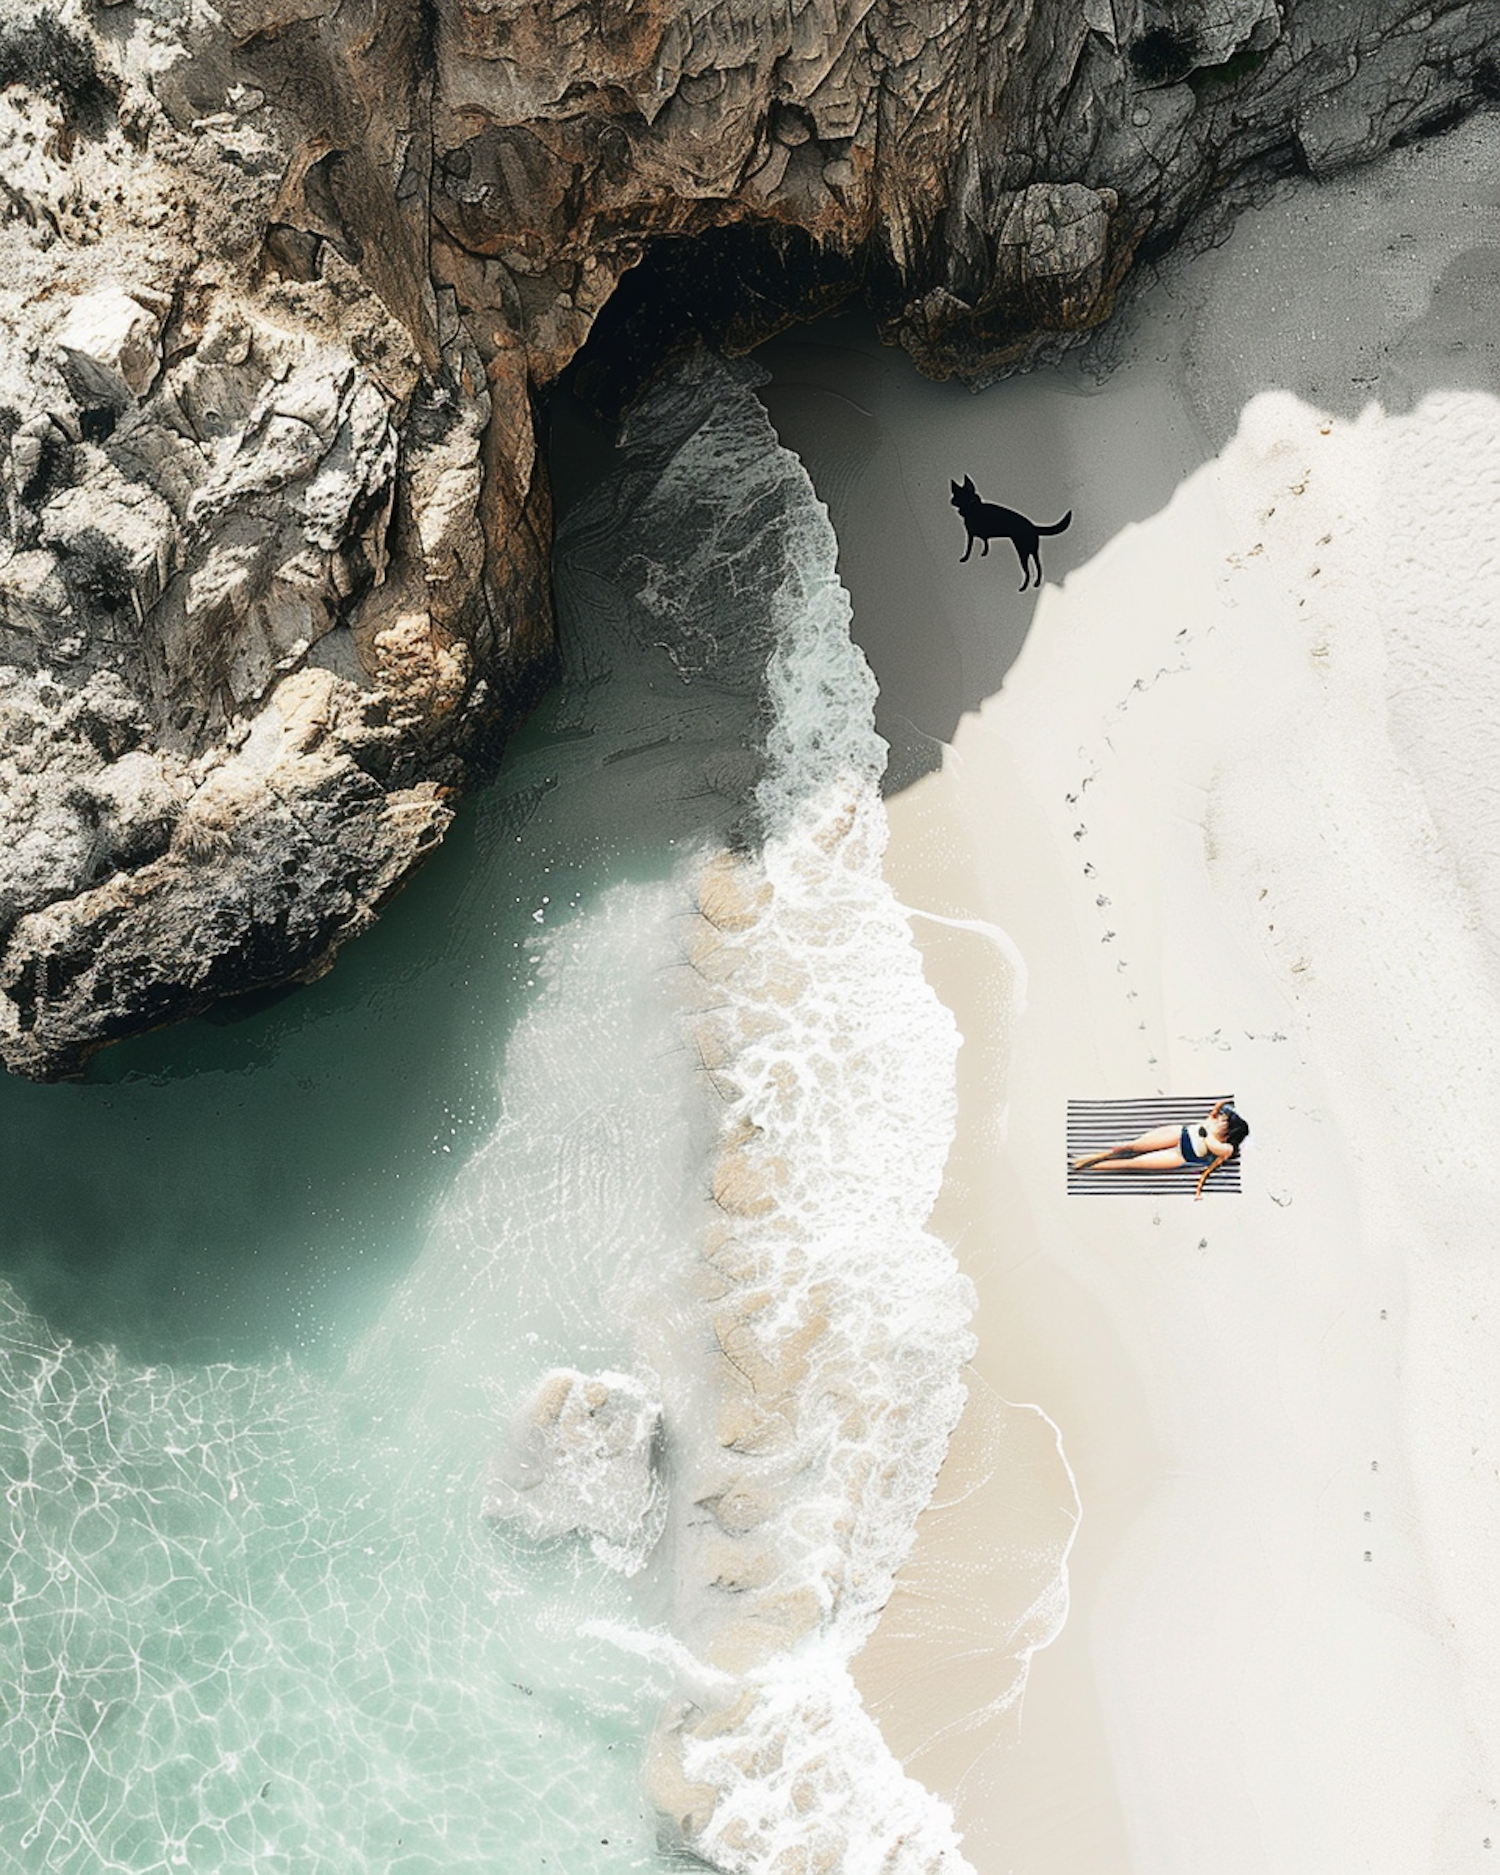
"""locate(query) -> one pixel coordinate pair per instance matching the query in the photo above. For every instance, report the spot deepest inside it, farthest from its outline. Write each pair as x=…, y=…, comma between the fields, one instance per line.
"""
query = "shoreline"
x=1037, y=1782
x=1211, y=785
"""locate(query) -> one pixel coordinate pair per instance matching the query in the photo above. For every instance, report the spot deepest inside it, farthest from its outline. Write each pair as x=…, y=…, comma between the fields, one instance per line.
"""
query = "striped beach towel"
x=1095, y=1124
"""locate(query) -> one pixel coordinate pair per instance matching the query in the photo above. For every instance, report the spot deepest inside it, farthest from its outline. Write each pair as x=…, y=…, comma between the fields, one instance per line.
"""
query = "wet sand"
x=1216, y=809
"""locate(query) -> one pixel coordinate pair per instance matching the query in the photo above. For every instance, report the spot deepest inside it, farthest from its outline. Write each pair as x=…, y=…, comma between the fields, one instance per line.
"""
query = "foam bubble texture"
x=840, y=1323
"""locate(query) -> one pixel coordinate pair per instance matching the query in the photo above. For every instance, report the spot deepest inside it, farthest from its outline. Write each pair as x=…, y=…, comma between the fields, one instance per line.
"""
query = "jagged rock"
x=250, y=874
x=280, y=282
x=110, y=344
x=582, y=1460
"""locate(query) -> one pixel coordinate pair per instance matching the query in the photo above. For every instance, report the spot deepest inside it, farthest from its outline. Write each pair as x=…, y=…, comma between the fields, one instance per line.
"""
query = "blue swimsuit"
x=1190, y=1157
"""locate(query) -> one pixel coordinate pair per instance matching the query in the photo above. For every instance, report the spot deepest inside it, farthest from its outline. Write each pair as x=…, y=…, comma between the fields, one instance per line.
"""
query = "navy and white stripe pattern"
x=1094, y=1125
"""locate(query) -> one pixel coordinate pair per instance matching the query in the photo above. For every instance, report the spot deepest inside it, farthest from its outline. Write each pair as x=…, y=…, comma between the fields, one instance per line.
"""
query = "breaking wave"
x=839, y=1325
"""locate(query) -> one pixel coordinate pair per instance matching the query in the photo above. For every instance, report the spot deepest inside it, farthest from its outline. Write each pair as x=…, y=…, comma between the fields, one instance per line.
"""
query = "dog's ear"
x=969, y=482
x=955, y=487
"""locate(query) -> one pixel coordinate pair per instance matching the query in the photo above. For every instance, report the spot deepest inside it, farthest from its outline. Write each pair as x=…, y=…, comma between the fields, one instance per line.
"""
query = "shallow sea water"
x=271, y=1287
x=248, y=1621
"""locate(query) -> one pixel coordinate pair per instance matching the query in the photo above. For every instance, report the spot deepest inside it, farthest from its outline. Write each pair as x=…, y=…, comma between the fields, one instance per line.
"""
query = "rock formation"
x=284, y=280
x=582, y=1459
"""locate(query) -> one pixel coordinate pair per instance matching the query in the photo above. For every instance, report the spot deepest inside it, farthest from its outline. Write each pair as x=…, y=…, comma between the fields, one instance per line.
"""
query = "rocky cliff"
x=284, y=280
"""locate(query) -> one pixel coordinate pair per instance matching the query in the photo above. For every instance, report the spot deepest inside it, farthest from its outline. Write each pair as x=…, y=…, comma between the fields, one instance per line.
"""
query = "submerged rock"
x=281, y=284
x=582, y=1459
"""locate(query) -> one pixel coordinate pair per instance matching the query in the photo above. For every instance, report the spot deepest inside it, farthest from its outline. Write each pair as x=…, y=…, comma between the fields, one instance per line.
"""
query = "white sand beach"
x=1218, y=811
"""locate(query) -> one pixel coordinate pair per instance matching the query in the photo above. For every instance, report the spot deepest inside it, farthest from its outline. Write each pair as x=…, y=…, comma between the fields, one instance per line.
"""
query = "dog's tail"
x=1058, y=526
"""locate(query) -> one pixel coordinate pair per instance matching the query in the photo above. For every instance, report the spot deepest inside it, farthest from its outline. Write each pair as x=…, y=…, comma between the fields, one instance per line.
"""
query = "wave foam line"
x=841, y=1323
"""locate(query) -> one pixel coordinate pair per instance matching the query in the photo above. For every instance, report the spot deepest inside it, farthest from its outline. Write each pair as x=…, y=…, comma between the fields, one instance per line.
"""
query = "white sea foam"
x=727, y=1113
x=840, y=1324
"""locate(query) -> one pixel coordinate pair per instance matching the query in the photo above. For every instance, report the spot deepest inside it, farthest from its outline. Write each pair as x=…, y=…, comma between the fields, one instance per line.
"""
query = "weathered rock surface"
x=282, y=281
x=262, y=603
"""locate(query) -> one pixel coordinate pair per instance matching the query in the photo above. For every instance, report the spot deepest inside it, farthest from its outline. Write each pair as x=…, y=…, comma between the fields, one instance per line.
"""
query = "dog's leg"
x=968, y=548
x=985, y=554
x=1021, y=556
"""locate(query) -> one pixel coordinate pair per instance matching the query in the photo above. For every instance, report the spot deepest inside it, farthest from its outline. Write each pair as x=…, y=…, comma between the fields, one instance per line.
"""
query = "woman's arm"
x=1222, y=1154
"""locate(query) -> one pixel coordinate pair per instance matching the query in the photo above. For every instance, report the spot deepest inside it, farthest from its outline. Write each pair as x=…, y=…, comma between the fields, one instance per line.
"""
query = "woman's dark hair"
x=1237, y=1131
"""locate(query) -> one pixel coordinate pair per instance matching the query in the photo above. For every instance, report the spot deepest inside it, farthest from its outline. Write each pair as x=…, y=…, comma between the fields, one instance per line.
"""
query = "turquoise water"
x=231, y=1190
x=249, y=1617
x=276, y=1292
x=229, y=1643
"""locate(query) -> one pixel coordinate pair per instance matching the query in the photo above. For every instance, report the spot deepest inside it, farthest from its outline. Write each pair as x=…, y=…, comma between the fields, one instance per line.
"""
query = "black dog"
x=986, y=521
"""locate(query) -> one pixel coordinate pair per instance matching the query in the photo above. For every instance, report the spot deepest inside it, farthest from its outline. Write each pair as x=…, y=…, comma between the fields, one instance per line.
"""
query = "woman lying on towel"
x=1209, y=1145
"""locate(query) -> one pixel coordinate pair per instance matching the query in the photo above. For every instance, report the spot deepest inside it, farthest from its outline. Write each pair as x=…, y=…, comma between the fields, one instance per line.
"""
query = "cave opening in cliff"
x=732, y=287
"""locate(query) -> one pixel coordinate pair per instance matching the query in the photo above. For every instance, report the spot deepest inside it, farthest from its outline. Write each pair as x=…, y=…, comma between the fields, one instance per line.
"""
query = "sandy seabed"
x=1219, y=808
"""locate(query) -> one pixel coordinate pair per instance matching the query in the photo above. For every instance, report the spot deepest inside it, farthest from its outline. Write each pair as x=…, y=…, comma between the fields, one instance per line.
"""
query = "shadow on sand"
x=1346, y=293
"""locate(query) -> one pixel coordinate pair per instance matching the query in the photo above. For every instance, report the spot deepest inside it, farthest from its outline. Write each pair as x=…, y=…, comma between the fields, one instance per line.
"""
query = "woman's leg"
x=1165, y=1161
x=1157, y=1140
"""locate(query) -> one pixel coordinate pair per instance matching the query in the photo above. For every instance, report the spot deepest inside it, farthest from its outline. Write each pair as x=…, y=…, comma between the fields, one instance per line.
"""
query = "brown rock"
x=280, y=289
